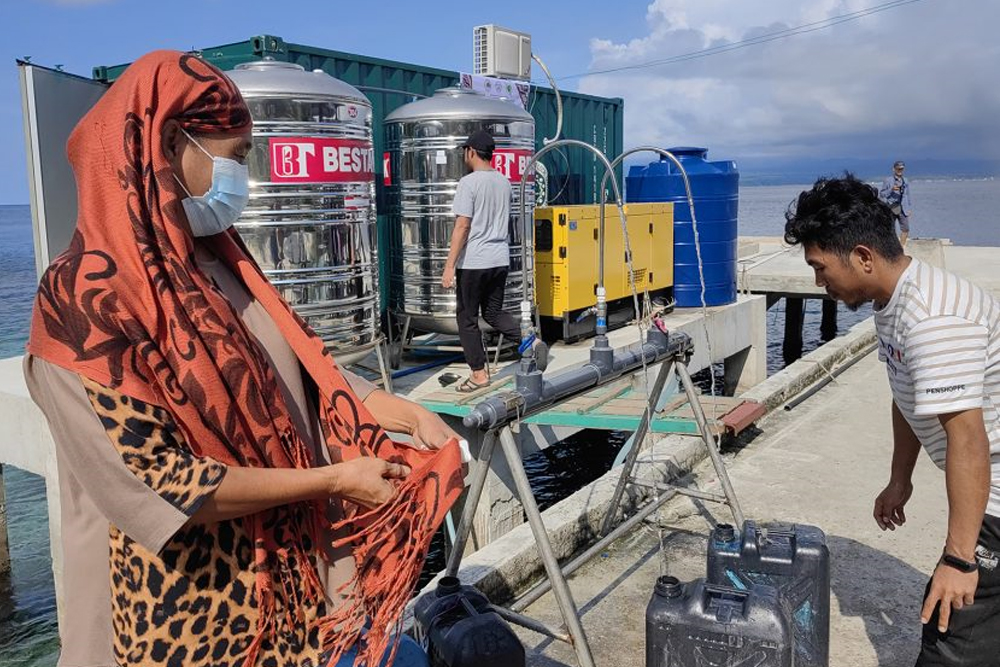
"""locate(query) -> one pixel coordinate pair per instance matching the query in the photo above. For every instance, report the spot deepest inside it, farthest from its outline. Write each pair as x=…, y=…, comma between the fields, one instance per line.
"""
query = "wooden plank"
x=612, y=392
x=635, y=402
x=671, y=405
x=619, y=410
x=485, y=391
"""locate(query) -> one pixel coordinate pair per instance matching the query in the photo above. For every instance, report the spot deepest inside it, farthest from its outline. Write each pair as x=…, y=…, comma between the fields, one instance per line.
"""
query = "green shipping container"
x=574, y=176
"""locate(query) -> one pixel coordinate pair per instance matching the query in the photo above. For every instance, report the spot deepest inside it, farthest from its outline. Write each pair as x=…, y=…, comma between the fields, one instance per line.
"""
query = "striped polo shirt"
x=939, y=337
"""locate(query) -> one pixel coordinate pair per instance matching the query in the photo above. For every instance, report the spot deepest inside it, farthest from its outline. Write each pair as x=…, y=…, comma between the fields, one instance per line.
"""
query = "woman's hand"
x=365, y=481
x=429, y=431
x=399, y=415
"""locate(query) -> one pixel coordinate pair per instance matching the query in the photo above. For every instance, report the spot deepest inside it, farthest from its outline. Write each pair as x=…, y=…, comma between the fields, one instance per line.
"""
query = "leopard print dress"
x=193, y=603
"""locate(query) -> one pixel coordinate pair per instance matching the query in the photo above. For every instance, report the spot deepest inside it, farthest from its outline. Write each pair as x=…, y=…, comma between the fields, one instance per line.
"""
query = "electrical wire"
x=753, y=41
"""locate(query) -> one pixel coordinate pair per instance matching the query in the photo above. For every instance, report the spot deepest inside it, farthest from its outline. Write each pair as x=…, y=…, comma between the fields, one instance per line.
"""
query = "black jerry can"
x=704, y=625
x=794, y=559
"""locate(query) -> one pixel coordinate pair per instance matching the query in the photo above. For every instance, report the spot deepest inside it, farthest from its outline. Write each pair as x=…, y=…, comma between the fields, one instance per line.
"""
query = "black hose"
x=813, y=390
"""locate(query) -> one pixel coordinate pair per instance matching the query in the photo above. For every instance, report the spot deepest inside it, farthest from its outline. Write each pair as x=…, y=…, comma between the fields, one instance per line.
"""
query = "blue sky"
x=80, y=34
x=917, y=81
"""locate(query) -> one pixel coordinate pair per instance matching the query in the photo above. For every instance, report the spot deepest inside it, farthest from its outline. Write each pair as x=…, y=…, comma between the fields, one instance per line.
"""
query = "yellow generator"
x=566, y=253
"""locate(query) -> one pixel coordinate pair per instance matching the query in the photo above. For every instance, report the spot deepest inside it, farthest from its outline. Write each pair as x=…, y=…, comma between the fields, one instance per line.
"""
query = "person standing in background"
x=479, y=258
x=895, y=192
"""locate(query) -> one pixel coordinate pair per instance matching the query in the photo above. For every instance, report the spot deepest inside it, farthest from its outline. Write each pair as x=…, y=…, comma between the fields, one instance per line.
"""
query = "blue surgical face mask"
x=217, y=210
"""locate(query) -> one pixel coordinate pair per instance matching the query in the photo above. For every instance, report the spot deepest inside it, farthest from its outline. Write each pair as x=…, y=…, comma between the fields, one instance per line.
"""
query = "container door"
x=580, y=234
x=640, y=237
x=53, y=103
x=549, y=292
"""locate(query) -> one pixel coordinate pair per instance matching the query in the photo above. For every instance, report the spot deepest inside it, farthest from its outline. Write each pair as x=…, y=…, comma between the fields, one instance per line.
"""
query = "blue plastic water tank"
x=715, y=187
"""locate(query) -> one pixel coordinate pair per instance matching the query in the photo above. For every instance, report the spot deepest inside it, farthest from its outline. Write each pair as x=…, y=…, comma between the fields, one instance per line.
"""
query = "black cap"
x=480, y=140
x=898, y=163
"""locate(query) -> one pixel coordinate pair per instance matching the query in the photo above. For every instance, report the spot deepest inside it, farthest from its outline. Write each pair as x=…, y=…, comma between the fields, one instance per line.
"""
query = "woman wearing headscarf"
x=229, y=495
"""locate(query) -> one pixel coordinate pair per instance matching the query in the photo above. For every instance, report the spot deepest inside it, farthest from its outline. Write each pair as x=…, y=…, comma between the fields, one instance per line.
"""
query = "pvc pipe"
x=529, y=398
x=827, y=378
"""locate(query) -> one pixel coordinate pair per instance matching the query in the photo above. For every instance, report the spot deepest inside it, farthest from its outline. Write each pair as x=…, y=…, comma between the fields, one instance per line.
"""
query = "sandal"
x=468, y=386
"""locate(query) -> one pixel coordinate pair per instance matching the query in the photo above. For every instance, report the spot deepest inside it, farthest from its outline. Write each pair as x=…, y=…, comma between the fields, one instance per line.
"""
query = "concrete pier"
x=768, y=266
x=27, y=444
x=821, y=464
x=737, y=335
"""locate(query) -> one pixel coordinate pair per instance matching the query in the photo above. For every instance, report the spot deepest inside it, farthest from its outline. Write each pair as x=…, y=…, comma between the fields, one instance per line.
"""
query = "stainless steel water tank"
x=425, y=165
x=311, y=219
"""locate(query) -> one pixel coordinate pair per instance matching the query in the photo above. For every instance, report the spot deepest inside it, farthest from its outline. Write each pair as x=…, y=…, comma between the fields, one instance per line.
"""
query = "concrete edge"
x=800, y=375
x=509, y=565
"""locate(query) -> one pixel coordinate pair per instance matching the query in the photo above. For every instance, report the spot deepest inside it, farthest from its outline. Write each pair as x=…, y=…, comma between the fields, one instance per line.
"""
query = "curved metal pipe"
x=529, y=232
x=559, y=106
x=690, y=197
x=694, y=228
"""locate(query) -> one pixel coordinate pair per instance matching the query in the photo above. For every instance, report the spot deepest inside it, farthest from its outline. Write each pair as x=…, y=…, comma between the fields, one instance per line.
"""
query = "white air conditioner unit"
x=502, y=53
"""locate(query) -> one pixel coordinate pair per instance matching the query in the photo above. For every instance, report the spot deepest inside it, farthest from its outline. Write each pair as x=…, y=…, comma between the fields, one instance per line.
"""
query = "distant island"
x=798, y=171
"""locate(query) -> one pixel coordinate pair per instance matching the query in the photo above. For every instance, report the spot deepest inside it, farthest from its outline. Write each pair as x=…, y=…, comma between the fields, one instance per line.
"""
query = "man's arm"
x=967, y=478
x=459, y=237
x=905, y=449
x=947, y=356
x=463, y=207
x=886, y=188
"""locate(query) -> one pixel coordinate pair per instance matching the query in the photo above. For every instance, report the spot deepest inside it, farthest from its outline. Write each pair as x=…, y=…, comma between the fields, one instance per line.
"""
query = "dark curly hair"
x=838, y=214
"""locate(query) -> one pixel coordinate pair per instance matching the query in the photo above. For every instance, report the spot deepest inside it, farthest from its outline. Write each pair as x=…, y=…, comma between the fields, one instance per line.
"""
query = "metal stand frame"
x=381, y=354
x=404, y=342
x=379, y=347
x=573, y=632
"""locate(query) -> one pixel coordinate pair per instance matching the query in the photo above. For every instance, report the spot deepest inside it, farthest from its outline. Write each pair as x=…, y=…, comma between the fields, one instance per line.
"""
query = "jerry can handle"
x=761, y=538
x=723, y=601
x=726, y=593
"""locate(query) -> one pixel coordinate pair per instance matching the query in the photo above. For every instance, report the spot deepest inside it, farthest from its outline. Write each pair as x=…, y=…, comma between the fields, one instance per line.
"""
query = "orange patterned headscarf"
x=127, y=306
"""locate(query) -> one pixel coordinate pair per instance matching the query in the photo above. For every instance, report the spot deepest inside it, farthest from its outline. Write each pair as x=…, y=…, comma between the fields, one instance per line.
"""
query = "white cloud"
x=921, y=77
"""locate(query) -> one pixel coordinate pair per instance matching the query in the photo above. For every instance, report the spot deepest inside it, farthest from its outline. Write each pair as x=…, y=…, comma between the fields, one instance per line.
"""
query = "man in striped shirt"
x=939, y=337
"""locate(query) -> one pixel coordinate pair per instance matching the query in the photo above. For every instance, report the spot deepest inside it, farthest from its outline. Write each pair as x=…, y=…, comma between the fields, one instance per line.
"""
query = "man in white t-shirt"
x=479, y=258
x=939, y=337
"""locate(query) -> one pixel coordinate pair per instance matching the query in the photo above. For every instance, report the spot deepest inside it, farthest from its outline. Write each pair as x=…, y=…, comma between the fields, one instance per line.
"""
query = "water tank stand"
x=402, y=342
x=382, y=355
x=573, y=632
